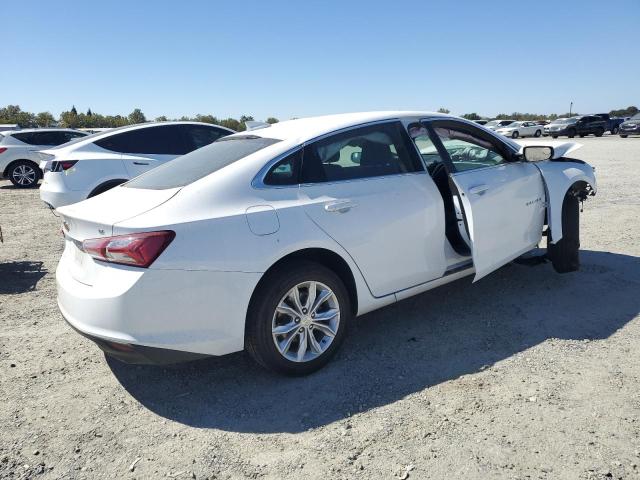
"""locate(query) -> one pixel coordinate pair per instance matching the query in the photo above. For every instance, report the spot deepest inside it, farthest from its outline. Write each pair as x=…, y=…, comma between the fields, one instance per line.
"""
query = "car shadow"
x=457, y=329
x=13, y=187
x=20, y=277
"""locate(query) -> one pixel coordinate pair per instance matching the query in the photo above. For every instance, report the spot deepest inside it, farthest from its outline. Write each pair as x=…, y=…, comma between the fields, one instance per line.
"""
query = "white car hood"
x=560, y=148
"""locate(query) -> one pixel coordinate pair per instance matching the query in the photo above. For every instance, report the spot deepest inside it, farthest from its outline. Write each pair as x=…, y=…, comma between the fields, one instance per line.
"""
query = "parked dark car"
x=581, y=126
x=631, y=126
x=613, y=124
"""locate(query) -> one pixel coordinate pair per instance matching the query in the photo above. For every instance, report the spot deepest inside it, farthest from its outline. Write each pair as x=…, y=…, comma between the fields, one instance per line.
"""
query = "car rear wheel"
x=624, y=136
x=298, y=318
x=554, y=136
x=571, y=133
x=599, y=132
x=515, y=134
x=565, y=253
x=538, y=133
x=24, y=174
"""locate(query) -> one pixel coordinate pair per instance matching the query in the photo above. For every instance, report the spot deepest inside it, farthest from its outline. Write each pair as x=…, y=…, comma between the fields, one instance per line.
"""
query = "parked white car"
x=274, y=240
x=19, y=152
x=496, y=124
x=94, y=164
x=521, y=129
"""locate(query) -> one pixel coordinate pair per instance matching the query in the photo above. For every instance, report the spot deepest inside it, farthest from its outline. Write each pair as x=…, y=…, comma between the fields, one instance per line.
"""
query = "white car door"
x=503, y=200
x=367, y=189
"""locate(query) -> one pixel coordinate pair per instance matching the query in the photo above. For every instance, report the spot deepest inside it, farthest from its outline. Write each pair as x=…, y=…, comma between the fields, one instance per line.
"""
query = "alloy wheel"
x=24, y=175
x=306, y=321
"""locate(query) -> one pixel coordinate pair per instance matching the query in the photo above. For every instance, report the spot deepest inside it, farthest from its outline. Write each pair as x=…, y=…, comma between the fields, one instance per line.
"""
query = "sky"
x=301, y=58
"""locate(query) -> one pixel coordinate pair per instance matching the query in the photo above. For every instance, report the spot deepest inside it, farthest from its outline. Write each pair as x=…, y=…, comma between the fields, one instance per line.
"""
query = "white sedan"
x=93, y=164
x=274, y=240
x=521, y=129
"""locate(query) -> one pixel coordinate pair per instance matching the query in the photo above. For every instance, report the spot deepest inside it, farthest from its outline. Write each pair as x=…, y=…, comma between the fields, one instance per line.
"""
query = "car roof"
x=29, y=130
x=303, y=129
x=80, y=142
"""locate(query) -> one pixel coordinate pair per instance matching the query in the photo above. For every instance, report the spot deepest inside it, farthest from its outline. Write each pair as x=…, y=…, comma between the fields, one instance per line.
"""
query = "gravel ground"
x=526, y=374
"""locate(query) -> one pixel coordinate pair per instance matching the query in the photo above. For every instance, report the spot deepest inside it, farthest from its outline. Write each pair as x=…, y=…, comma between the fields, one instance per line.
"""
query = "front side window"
x=200, y=163
x=420, y=135
x=371, y=151
x=467, y=150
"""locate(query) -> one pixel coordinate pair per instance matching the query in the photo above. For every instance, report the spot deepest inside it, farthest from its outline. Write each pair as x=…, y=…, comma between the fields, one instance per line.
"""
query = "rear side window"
x=198, y=136
x=371, y=151
x=286, y=171
x=200, y=163
x=158, y=140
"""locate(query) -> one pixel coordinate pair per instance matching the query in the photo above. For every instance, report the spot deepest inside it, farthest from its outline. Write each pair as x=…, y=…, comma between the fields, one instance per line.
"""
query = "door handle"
x=479, y=189
x=340, y=206
x=141, y=163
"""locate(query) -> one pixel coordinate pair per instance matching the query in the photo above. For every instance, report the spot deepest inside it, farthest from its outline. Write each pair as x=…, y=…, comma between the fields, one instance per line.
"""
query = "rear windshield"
x=200, y=163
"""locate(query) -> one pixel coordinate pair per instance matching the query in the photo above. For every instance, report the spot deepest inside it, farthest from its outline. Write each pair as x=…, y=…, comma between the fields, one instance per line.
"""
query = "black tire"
x=571, y=133
x=582, y=135
x=554, y=136
x=24, y=174
x=259, y=341
x=538, y=133
x=615, y=130
x=565, y=254
x=624, y=136
x=599, y=132
x=515, y=134
x=105, y=186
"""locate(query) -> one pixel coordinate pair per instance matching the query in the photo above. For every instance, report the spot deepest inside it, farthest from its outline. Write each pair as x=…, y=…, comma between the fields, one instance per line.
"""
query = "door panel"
x=137, y=164
x=504, y=208
x=393, y=227
x=503, y=200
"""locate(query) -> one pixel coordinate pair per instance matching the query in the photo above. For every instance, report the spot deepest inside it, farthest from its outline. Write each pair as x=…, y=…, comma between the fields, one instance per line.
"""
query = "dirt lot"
x=526, y=374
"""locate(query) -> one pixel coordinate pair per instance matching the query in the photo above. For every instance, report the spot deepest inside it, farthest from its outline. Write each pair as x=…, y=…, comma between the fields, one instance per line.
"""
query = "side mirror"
x=537, y=153
x=355, y=157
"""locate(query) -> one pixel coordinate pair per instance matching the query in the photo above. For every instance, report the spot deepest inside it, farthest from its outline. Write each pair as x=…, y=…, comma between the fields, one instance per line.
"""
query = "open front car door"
x=502, y=197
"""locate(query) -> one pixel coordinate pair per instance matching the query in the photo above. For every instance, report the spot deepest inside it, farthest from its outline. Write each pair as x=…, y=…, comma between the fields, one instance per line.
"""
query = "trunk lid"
x=95, y=217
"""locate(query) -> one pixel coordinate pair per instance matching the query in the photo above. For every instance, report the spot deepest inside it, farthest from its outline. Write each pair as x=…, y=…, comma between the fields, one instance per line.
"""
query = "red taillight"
x=138, y=249
x=3, y=149
x=62, y=165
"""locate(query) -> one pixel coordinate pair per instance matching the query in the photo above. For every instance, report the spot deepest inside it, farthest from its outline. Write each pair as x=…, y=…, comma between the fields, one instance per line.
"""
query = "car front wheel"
x=565, y=253
x=515, y=135
x=24, y=174
x=538, y=133
x=298, y=318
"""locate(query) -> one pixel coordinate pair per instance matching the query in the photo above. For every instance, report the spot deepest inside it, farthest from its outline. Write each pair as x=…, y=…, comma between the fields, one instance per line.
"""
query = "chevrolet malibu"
x=273, y=240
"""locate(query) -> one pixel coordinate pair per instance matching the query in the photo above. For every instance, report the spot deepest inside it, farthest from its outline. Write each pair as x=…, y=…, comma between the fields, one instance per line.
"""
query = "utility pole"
x=570, y=107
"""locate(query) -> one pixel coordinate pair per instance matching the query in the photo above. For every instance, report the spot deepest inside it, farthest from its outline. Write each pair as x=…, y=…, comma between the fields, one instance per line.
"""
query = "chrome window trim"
x=258, y=179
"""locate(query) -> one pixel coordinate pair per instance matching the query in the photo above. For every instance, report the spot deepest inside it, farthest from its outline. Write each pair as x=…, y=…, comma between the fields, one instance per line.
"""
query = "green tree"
x=471, y=116
x=13, y=114
x=162, y=118
x=233, y=124
x=73, y=110
x=272, y=120
x=137, y=117
x=45, y=119
x=624, y=112
x=443, y=110
x=89, y=113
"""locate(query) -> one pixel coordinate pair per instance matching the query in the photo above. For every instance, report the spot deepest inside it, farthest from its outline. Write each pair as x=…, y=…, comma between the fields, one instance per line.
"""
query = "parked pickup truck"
x=613, y=124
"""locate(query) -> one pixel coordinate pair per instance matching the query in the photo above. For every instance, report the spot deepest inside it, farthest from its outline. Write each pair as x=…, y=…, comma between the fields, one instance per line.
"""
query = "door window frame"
x=258, y=180
x=505, y=150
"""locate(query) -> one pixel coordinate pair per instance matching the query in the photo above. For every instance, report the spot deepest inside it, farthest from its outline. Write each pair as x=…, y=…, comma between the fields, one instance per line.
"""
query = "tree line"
x=13, y=114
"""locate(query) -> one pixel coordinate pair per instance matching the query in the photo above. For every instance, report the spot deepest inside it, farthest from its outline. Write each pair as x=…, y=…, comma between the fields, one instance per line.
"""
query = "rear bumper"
x=162, y=316
x=54, y=193
x=139, y=354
